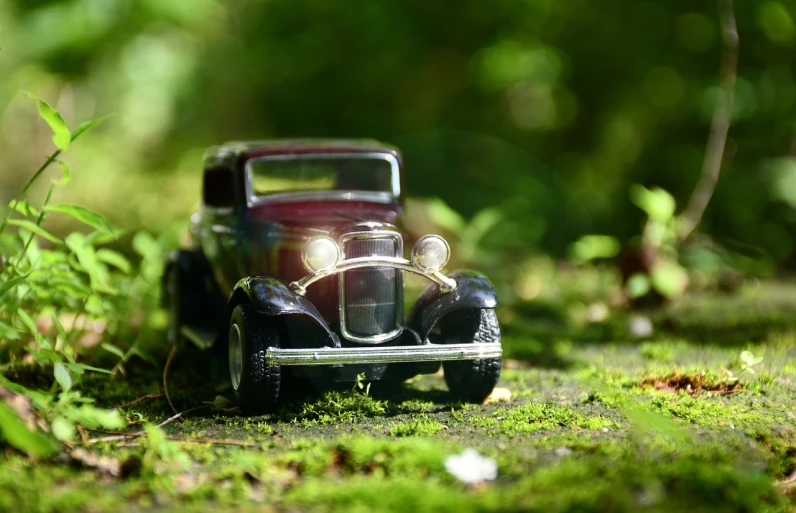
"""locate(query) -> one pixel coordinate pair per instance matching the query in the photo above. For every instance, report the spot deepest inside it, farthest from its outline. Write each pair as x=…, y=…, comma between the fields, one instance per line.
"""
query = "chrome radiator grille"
x=371, y=299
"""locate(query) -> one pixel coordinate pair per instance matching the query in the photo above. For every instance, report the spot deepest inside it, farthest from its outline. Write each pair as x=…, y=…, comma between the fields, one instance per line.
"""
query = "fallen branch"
x=719, y=127
x=212, y=441
x=153, y=395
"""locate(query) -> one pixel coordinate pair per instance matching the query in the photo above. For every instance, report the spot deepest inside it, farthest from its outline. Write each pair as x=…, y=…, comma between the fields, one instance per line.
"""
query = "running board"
x=389, y=354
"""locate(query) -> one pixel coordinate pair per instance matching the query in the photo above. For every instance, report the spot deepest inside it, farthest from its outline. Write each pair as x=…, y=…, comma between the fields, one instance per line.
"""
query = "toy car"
x=296, y=264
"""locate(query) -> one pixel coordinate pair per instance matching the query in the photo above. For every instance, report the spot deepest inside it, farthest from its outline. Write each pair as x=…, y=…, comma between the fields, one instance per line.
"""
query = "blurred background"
x=523, y=123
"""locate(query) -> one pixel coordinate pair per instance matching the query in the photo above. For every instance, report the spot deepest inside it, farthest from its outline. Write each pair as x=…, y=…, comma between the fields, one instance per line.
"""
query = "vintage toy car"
x=296, y=267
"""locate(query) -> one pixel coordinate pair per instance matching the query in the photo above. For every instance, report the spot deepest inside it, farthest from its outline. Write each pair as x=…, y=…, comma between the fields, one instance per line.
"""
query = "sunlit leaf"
x=63, y=429
x=115, y=259
x=62, y=376
x=637, y=285
x=86, y=125
x=60, y=328
x=444, y=216
x=113, y=349
x=655, y=202
x=590, y=247
x=79, y=368
x=93, y=417
x=28, y=321
x=66, y=173
x=38, y=230
x=24, y=208
x=98, y=274
x=84, y=215
x=669, y=279
x=32, y=442
x=144, y=244
x=62, y=137
x=10, y=284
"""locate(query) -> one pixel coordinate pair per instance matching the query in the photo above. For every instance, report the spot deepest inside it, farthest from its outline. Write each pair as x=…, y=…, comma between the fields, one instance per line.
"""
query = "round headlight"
x=320, y=254
x=431, y=253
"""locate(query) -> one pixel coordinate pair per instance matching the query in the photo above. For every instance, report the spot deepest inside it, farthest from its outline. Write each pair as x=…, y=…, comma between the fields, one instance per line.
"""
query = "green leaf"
x=32, y=442
x=78, y=368
x=63, y=429
x=590, y=247
x=115, y=259
x=61, y=331
x=113, y=349
x=38, y=230
x=27, y=320
x=444, y=216
x=637, y=285
x=10, y=284
x=62, y=376
x=658, y=204
x=62, y=137
x=24, y=208
x=86, y=125
x=86, y=256
x=93, y=417
x=144, y=244
x=669, y=279
x=84, y=215
x=67, y=173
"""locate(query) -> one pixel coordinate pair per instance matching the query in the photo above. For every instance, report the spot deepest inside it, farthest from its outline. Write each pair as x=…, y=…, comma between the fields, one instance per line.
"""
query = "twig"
x=719, y=127
x=124, y=436
x=83, y=435
x=179, y=415
x=153, y=395
x=166, y=375
x=788, y=481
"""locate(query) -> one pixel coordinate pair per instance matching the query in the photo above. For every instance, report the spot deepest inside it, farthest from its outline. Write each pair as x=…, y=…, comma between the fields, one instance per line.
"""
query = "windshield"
x=322, y=174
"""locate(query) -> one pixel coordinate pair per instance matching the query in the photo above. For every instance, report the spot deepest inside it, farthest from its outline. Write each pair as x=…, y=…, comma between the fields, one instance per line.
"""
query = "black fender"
x=271, y=297
x=473, y=290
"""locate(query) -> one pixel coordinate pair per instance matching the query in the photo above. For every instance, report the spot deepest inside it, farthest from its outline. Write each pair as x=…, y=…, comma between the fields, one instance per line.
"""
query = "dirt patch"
x=693, y=384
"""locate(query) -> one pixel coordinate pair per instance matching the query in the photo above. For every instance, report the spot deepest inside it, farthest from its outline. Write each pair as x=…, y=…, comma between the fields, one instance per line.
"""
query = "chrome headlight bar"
x=321, y=257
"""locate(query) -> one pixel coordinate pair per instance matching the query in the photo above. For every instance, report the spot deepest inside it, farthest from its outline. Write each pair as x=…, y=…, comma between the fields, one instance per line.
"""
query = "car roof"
x=233, y=150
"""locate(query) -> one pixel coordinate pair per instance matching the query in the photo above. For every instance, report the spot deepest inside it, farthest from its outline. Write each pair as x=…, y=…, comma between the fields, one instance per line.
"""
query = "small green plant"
x=61, y=295
x=360, y=385
x=748, y=361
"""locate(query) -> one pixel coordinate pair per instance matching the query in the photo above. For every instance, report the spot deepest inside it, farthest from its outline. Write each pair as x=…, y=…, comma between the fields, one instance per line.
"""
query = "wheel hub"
x=235, y=355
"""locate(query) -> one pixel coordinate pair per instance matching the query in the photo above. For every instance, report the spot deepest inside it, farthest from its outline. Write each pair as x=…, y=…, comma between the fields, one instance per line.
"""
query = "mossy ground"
x=586, y=429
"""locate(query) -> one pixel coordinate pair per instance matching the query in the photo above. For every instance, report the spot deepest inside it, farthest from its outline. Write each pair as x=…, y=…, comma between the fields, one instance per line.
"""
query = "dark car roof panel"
x=236, y=149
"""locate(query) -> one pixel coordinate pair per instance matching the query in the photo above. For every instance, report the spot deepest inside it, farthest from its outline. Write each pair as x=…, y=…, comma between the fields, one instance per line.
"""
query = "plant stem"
x=719, y=128
x=27, y=186
x=38, y=223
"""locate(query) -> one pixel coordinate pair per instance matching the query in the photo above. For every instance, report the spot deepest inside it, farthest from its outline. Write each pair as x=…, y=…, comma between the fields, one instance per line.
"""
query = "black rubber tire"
x=471, y=380
x=186, y=300
x=259, y=387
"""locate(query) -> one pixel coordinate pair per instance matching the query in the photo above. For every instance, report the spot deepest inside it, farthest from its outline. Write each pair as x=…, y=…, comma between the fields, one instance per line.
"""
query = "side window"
x=218, y=188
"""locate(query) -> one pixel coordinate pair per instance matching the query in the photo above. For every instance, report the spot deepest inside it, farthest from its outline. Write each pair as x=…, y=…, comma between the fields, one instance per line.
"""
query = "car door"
x=221, y=231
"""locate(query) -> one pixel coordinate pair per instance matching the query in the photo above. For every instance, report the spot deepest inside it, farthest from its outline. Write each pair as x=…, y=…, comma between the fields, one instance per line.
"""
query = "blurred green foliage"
x=543, y=112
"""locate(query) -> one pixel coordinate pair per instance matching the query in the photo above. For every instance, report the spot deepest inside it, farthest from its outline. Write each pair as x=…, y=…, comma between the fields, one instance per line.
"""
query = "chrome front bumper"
x=394, y=354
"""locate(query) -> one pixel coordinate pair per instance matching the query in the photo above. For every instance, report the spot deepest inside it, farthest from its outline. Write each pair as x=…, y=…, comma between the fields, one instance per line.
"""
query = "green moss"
x=421, y=426
x=410, y=457
x=332, y=407
x=532, y=416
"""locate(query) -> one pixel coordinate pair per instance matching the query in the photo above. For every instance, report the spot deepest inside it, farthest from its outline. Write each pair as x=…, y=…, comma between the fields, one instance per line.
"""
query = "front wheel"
x=256, y=384
x=471, y=380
